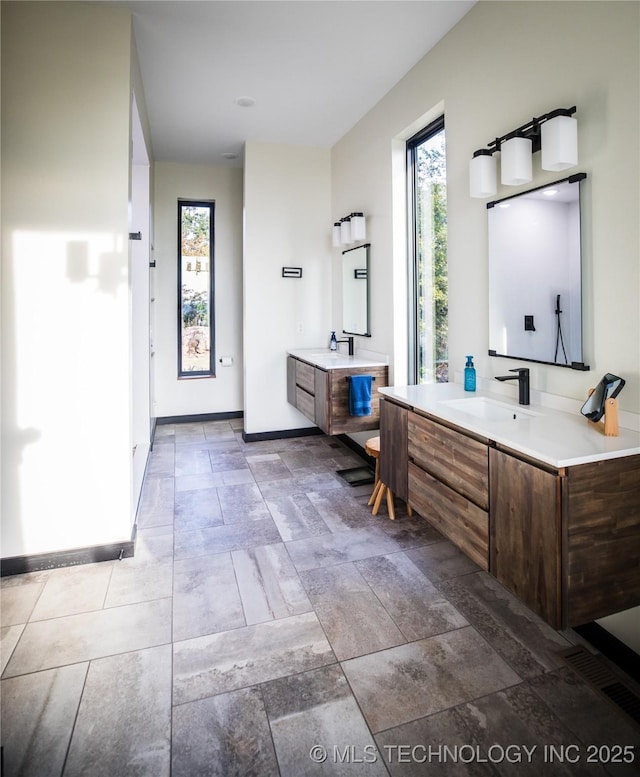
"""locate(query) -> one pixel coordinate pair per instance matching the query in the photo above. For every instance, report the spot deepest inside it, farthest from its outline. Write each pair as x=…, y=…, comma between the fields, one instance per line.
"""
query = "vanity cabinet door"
x=526, y=519
x=393, y=447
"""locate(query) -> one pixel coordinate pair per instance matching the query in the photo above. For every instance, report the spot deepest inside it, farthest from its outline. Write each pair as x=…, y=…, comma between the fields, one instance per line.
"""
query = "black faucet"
x=523, y=383
x=348, y=340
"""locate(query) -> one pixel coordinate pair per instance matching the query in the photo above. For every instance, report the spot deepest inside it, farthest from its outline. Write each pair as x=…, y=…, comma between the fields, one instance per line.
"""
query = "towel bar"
x=348, y=377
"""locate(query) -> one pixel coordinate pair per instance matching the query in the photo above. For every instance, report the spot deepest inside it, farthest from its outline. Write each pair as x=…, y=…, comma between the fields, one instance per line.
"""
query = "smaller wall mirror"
x=535, y=281
x=355, y=291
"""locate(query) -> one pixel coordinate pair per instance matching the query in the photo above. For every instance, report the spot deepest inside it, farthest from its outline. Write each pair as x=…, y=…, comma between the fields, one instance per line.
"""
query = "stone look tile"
x=441, y=560
x=46, y=644
x=17, y=602
x=214, y=664
x=418, y=748
x=589, y=716
x=518, y=716
x=242, y=503
x=197, y=509
x=202, y=481
x=217, y=539
x=416, y=606
x=410, y=531
x=38, y=714
x=511, y=628
x=409, y=681
x=330, y=549
x=74, y=590
x=223, y=736
x=269, y=584
x=317, y=708
x=192, y=462
x=9, y=636
x=124, y=718
x=205, y=597
x=351, y=615
x=156, y=502
x=147, y=575
x=296, y=517
x=268, y=467
x=227, y=461
x=339, y=511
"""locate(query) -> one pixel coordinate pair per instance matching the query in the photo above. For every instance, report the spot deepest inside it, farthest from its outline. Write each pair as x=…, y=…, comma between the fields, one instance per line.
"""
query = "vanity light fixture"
x=555, y=134
x=350, y=229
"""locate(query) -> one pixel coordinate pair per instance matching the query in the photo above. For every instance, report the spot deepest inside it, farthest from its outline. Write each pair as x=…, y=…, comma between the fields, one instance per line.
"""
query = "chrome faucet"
x=523, y=383
x=348, y=340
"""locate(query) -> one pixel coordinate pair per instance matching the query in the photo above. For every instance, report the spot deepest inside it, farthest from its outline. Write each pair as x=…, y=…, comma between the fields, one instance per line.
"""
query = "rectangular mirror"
x=535, y=276
x=355, y=291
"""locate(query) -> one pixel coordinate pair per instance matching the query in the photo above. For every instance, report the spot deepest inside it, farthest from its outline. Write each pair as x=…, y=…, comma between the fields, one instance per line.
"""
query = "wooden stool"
x=372, y=448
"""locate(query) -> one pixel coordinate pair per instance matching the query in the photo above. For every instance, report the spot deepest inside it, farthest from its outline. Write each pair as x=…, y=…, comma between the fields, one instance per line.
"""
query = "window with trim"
x=195, y=289
x=428, y=280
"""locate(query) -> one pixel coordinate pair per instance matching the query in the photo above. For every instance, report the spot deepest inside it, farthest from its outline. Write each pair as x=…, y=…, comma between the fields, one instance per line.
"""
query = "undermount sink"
x=489, y=409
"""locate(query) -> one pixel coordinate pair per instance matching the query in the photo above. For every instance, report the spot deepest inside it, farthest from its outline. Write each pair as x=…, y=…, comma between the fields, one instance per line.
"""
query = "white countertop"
x=552, y=436
x=332, y=360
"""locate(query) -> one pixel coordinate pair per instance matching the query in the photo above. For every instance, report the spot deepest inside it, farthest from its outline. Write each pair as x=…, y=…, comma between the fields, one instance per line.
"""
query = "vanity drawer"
x=459, y=461
x=306, y=403
x=461, y=521
x=305, y=376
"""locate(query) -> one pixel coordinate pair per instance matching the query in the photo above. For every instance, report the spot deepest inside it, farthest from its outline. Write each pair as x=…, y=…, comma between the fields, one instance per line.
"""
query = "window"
x=195, y=289
x=428, y=283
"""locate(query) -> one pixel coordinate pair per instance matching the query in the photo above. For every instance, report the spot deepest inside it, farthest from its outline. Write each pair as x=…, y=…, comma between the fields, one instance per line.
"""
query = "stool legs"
x=379, y=493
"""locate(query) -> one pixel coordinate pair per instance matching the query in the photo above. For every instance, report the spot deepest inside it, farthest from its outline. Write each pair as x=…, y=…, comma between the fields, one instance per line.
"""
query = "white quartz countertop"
x=332, y=360
x=554, y=437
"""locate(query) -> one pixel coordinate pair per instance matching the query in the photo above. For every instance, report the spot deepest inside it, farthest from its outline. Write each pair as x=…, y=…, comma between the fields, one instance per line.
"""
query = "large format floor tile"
x=269, y=625
x=417, y=679
x=206, y=666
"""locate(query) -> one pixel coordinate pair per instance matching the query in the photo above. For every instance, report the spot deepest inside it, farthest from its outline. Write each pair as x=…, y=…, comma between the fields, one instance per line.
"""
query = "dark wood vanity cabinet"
x=323, y=395
x=566, y=541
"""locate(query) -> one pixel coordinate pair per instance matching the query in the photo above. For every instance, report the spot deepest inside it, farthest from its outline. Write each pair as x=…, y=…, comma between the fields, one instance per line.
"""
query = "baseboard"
x=283, y=434
x=186, y=419
x=38, y=562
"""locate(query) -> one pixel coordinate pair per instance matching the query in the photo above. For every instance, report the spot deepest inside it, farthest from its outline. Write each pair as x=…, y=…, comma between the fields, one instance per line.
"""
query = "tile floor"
x=270, y=625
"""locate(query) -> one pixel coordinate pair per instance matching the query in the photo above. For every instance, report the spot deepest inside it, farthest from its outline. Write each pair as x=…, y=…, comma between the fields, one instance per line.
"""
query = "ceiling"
x=313, y=67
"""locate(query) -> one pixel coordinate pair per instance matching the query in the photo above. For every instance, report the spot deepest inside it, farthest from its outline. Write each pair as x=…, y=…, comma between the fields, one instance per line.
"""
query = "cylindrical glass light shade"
x=559, y=138
x=345, y=230
x=482, y=174
x=337, y=239
x=515, y=161
x=358, y=227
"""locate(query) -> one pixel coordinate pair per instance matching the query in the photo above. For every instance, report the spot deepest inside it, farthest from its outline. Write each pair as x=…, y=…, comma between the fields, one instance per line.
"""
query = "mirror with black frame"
x=355, y=291
x=535, y=275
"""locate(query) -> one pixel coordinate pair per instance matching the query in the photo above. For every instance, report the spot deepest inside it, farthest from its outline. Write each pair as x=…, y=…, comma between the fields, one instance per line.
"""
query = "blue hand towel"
x=360, y=394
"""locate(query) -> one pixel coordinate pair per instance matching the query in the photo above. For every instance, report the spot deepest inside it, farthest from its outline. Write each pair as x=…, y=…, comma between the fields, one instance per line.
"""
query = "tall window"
x=195, y=288
x=427, y=168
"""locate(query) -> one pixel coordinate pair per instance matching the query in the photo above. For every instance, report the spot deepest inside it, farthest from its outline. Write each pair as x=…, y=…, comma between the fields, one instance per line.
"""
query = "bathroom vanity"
x=538, y=497
x=318, y=386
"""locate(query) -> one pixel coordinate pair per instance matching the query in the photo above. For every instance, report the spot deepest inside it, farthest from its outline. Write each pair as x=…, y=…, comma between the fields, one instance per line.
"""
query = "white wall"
x=501, y=65
x=222, y=393
x=65, y=305
x=287, y=222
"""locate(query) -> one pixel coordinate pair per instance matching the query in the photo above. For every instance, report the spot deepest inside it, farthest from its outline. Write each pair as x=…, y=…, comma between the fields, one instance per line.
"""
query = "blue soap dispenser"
x=469, y=375
x=333, y=344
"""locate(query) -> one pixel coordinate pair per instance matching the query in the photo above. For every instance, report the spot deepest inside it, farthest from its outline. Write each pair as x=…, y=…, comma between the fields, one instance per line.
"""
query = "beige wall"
x=66, y=455
x=197, y=395
x=501, y=65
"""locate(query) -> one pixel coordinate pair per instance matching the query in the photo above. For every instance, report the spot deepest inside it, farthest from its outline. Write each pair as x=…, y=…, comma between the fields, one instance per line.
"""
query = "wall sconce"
x=350, y=229
x=555, y=134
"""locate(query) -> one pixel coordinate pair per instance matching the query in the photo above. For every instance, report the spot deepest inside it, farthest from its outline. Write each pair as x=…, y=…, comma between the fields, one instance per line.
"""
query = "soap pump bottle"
x=333, y=344
x=469, y=375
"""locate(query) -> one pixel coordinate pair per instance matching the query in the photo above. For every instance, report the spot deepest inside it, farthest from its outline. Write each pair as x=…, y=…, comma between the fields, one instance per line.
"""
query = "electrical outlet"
x=528, y=324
